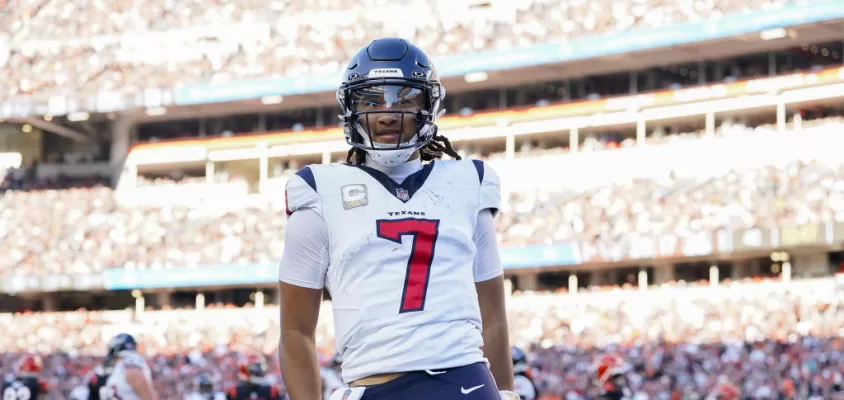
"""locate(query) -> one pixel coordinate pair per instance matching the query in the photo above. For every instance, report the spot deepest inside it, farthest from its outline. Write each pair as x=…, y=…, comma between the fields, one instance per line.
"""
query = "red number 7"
x=424, y=232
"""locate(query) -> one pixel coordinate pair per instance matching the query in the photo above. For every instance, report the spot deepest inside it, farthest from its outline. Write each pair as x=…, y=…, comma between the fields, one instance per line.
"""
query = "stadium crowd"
x=87, y=229
x=690, y=196
x=60, y=48
x=777, y=340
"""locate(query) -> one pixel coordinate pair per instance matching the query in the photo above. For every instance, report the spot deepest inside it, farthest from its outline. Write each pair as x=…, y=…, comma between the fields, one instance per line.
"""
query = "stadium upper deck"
x=58, y=48
x=69, y=60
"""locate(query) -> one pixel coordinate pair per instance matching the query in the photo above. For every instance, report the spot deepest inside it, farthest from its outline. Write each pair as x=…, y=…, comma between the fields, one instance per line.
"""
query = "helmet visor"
x=387, y=98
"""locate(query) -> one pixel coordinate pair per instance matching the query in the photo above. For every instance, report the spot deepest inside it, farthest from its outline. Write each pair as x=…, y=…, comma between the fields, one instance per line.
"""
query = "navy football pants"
x=471, y=382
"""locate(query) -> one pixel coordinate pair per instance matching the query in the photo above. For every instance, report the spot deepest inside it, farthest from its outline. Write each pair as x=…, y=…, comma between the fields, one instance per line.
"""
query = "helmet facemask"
x=390, y=119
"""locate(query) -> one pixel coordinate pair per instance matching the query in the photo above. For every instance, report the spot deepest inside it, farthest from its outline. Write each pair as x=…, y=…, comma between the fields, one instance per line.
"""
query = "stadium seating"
x=88, y=46
x=84, y=230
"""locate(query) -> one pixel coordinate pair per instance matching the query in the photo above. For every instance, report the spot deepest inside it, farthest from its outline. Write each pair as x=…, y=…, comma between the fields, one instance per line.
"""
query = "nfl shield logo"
x=402, y=194
x=347, y=394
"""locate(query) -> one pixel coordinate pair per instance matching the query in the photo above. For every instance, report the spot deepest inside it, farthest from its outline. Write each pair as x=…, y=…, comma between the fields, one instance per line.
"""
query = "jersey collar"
x=405, y=190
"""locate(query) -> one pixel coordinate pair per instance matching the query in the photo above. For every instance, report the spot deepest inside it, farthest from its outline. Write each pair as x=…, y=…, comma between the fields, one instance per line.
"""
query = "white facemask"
x=384, y=153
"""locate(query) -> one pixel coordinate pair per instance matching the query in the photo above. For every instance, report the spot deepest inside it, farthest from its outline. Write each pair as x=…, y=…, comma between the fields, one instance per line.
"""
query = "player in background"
x=94, y=381
x=99, y=377
x=252, y=372
x=610, y=377
x=26, y=384
x=412, y=267
x=330, y=376
x=204, y=390
x=522, y=383
x=131, y=378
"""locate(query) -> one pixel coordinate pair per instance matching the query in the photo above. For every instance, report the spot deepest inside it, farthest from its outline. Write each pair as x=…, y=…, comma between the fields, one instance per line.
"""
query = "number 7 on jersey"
x=424, y=232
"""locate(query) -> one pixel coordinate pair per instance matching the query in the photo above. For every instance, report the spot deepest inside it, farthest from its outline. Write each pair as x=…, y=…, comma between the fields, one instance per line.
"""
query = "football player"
x=610, y=377
x=404, y=242
x=204, y=390
x=26, y=383
x=99, y=377
x=522, y=383
x=130, y=379
x=252, y=372
x=94, y=382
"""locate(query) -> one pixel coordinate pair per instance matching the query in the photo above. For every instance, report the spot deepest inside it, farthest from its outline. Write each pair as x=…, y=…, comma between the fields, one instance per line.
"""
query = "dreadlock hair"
x=433, y=150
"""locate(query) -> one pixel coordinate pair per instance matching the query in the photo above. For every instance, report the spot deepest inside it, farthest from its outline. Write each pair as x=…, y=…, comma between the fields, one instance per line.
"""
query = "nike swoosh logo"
x=430, y=372
x=470, y=390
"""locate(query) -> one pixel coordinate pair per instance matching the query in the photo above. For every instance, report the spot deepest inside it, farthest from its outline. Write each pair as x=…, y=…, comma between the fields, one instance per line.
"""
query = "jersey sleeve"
x=489, y=196
x=304, y=261
x=487, y=263
x=301, y=192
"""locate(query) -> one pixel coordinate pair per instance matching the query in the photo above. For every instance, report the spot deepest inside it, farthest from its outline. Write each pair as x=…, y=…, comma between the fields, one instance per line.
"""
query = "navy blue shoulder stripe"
x=308, y=176
x=479, y=165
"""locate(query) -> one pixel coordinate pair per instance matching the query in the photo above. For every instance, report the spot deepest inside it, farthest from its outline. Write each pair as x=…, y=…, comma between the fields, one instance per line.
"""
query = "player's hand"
x=508, y=395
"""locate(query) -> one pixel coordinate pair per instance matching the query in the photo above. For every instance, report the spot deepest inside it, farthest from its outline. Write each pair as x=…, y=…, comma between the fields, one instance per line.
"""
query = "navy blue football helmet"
x=118, y=345
x=520, y=364
x=252, y=368
x=392, y=77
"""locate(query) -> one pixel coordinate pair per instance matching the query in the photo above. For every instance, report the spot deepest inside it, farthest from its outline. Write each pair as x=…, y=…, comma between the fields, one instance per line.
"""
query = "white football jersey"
x=116, y=386
x=401, y=272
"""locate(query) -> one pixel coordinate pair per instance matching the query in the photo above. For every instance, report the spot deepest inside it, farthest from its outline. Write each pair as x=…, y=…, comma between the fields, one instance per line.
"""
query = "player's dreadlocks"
x=435, y=149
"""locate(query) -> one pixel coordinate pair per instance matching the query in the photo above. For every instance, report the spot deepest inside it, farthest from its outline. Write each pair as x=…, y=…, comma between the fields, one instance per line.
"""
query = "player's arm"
x=489, y=283
x=489, y=279
x=301, y=275
x=140, y=384
x=301, y=280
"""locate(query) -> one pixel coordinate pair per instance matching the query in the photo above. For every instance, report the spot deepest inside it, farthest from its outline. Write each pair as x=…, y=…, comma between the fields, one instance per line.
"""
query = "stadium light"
x=267, y=100
x=156, y=111
x=48, y=117
x=26, y=128
x=475, y=77
x=78, y=116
